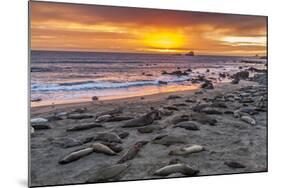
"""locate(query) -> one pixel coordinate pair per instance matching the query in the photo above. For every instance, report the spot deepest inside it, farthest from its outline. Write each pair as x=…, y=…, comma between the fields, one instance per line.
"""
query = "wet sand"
x=229, y=140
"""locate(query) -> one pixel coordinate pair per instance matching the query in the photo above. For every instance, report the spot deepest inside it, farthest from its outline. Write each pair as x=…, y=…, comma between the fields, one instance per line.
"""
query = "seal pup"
x=176, y=168
x=248, y=120
x=84, y=126
x=132, y=152
x=187, y=150
x=76, y=155
x=101, y=148
x=110, y=173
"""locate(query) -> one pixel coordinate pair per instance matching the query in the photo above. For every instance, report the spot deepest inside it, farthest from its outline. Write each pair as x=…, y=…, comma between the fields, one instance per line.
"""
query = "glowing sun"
x=164, y=40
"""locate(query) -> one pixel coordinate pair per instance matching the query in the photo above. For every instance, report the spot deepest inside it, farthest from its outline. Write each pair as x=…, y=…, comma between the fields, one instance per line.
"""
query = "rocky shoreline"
x=219, y=129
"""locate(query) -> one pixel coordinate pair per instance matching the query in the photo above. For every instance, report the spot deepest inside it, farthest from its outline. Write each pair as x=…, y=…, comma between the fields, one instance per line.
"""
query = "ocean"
x=66, y=77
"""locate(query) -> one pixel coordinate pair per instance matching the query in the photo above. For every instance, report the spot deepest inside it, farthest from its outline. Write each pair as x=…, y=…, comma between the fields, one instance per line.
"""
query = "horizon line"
x=153, y=53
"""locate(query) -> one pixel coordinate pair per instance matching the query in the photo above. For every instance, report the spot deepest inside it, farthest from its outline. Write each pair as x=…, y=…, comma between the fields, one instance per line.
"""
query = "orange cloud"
x=59, y=26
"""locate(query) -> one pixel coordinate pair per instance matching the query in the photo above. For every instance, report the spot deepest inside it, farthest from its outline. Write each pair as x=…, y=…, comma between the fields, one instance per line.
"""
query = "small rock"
x=95, y=98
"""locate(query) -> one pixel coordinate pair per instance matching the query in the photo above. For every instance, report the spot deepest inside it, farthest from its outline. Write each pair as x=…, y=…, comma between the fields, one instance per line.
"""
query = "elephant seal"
x=233, y=164
x=176, y=168
x=66, y=142
x=101, y=148
x=168, y=140
x=103, y=118
x=108, y=137
x=111, y=173
x=84, y=126
x=119, y=118
x=76, y=155
x=132, y=152
x=38, y=120
x=238, y=114
x=188, y=125
x=113, y=146
x=79, y=116
x=248, y=120
x=40, y=126
x=187, y=150
x=144, y=120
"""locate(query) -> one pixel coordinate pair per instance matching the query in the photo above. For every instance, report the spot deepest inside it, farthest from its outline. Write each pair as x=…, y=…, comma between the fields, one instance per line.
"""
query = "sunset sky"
x=70, y=27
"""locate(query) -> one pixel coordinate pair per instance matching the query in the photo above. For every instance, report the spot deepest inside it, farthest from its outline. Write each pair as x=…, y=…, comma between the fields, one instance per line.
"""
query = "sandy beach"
x=229, y=122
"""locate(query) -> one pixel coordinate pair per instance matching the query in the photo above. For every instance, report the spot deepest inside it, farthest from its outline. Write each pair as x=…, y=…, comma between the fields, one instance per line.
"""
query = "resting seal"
x=187, y=150
x=76, y=155
x=176, y=168
x=101, y=148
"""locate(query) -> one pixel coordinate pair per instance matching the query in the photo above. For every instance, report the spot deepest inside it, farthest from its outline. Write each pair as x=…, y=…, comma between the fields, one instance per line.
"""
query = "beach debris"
x=108, y=137
x=95, y=98
x=190, y=100
x=66, y=142
x=233, y=164
x=176, y=168
x=84, y=126
x=103, y=118
x=110, y=173
x=132, y=152
x=168, y=140
x=189, y=125
x=76, y=155
x=79, y=116
x=248, y=120
x=101, y=148
x=187, y=150
x=173, y=97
